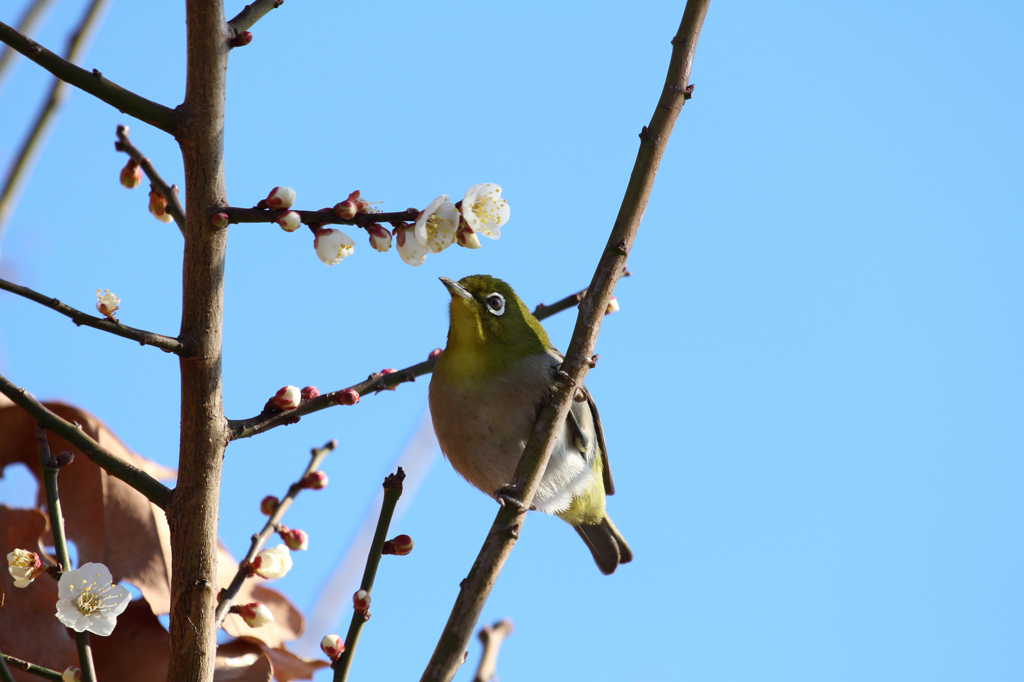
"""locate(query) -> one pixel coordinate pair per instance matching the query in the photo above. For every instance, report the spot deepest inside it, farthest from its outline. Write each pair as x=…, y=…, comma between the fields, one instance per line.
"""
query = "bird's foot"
x=506, y=496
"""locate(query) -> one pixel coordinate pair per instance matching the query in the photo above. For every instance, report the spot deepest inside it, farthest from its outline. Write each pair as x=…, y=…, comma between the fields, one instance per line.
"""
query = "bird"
x=488, y=384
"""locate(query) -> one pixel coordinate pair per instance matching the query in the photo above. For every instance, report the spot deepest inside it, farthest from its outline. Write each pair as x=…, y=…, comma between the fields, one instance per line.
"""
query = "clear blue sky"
x=812, y=394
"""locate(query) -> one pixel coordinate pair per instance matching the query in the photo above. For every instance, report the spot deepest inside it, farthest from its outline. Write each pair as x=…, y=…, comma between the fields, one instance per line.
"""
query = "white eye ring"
x=495, y=303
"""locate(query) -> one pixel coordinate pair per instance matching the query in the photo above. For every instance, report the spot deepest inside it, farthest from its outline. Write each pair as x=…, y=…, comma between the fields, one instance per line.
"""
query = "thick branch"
x=450, y=648
x=92, y=82
x=169, y=192
x=375, y=383
x=30, y=146
x=228, y=594
x=392, y=491
x=322, y=217
x=33, y=14
x=107, y=324
x=155, y=491
x=250, y=14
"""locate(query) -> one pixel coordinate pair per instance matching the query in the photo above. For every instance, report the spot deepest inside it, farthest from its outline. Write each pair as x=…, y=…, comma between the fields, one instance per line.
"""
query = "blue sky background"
x=813, y=391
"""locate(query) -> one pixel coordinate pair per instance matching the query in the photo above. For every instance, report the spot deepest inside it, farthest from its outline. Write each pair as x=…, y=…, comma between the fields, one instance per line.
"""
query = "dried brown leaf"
x=241, y=661
x=29, y=630
x=107, y=519
x=137, y=651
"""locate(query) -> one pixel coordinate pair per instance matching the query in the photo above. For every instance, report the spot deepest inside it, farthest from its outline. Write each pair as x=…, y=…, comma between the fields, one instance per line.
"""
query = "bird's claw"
x=506, y=497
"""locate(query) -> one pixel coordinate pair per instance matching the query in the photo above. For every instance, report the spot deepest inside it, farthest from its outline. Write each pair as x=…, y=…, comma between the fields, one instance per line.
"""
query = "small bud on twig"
x=333, y=646
x=361, y=601
x=314, y=480
x=287, y=398
x=131, y=175
x=399, y=545
x=255, y=615
x=268, y=505
x=347, y=397
x=241, y=40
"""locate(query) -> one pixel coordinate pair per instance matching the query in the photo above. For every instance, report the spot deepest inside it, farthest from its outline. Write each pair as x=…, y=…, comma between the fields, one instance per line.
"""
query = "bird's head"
x=490, y=325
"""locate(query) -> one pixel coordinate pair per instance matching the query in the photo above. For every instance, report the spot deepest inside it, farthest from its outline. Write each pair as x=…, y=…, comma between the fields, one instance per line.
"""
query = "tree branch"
x=32, y=15
x=491, y=636
x=50, y=468
x=322, y=217
x=250, y=14
x=169, y=192
x=375, y=383
x=111, y=325
x=155, y=491
x=93, y=82
x=392, y=491
x=502, y=535
x=32, y=669
x=228, y=594
x=19, y=169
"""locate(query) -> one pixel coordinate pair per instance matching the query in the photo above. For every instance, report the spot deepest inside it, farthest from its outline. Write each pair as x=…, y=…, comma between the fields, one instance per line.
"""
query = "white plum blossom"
x=333, y=246
x=24, y=566
x=273, y=563
x=411, y=251
x=484, y=209
x=107, y=302
x=290, y=221
x=89, y=600
x=380, y=238
x=436, y=225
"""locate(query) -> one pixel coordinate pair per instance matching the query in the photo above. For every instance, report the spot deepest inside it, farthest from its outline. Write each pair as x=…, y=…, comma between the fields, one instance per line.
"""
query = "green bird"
x=485, y=392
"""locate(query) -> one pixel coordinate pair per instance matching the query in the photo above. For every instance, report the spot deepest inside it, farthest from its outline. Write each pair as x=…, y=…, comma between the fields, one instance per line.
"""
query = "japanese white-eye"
x=485, y=393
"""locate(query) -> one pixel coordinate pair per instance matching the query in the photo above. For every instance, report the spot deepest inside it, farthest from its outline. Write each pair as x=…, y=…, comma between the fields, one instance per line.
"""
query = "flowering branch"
x=32, y=14
x=19, y=168
x=250, y=14
x=322, y=217
x=169, y=192
x=50, y=468
x=228, y=594
x=392, y=491
x=107, y=324
x=155, y=491
x=30, y=668
x=502, y=535
x=93, y=82
x=491, y=636
x=375, y=383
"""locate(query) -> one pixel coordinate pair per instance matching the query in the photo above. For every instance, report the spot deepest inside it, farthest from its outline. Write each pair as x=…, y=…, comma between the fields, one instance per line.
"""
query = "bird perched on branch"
x=485, y=393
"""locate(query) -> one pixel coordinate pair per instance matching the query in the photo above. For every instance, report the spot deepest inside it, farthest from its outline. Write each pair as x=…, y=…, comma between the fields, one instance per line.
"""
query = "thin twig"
x=503, y=532
x=392, y=491
x=169, y=192
x=50, y=468
x=5, y=673
x=250, y=14
x=93, y=82
x=542, y=311
x=155, y=491
x=375, y=383
x=32, y=669
x=228, y=594
x=491, y=636
x=33, y=14
x=19, y=169
x=322, y=217
x=107, y=324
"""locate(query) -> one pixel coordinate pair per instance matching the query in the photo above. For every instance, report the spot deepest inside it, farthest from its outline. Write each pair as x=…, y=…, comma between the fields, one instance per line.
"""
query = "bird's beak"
x=455, y=289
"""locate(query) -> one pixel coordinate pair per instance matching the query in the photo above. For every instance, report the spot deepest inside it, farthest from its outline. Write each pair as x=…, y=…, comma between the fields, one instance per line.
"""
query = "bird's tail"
x=606, y=544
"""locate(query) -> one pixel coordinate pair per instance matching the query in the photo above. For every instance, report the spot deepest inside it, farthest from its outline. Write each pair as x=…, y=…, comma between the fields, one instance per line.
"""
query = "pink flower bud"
x=158, y=207
x=380, y=237
x=268, y=505
x=294, y=538
x=288, y=398
x=347, y=397
x=434, y=353
x=280, y=197
x=346, y=210
x=71, y=674
x=310, y=392
x=131, y=175
x=65, y=458
x=290, y=221
x=220, y=220
x=242, y=39
x=255, y=615
x=361, y=601
x=314, y=480
x=107, y=303
x=613, y=306
x=399, y=545
x=333, y=646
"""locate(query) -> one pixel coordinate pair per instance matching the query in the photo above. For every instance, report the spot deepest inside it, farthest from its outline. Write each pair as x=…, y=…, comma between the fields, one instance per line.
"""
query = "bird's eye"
x=496, y=304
